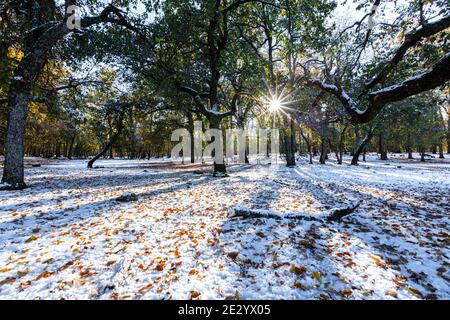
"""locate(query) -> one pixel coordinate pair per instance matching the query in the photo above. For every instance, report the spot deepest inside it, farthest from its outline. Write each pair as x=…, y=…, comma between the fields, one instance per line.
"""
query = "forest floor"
x=66, y=237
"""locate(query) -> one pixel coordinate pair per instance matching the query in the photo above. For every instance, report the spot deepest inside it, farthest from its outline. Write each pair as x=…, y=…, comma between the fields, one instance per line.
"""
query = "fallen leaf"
x=31, y=239
x=145, y=288
x=160, y=266
x=110, y=263
x=316, y=275
x=298, y=270
x=346, y=293
x=193, y=272
x=7, y=280
x=415, y=292
x=22, y=273
x=392, y=294
x=232, y=255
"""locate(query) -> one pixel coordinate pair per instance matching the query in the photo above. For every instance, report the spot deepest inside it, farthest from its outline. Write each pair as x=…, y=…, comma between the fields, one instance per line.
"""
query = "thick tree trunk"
x=363, y=146
x=220, y=169
x=13, y=171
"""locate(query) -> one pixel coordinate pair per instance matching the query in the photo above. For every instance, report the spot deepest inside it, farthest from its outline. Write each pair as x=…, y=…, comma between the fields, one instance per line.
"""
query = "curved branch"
x=431, y=79
x=411, y=40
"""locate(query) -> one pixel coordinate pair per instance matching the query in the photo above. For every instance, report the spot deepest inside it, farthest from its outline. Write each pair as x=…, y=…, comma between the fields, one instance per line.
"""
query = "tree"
x=386, y=84
x=36, y=28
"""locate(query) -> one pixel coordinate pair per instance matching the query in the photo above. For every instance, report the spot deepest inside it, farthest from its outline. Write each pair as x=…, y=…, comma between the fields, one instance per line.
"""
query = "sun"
x=275, y=105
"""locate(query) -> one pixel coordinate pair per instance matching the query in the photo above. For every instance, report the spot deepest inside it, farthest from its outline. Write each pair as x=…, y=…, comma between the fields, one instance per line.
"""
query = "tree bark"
x=70, y=151
x=109, y=145
x=289, y=143
x=410, y=154
x=191, y=133
x=363, y=145
x=441, y=151
x=324, y=141
x=220, y=169
x=382, y=147
x=341, y=144
x=448, y=131
x=13, y=170
x=308, y=145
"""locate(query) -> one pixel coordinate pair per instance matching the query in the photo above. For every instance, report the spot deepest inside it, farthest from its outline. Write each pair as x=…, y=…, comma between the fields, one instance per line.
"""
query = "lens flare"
x=275, y=105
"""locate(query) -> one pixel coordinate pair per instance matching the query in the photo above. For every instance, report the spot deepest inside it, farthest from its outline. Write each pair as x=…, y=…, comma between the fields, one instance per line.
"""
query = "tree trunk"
x=13, y=171
x=192, y=134
x=340, y=153
x=220, y=169
x=441, y=151
x=410, y=154
x=70, y=151
x=363, y=145
x=382, y=147
x=357, y=140
x=448, y=134
x=109, y=145
x=422, y=155
x=324, y=140
x=111, y=152
x=289, y=144
x=308, y=145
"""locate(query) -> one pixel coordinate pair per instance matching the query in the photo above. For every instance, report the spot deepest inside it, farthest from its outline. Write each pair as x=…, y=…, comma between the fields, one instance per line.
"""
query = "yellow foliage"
x=15, y=54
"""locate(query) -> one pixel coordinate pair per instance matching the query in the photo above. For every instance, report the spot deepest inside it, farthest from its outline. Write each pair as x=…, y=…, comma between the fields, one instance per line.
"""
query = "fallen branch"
x=329, y=216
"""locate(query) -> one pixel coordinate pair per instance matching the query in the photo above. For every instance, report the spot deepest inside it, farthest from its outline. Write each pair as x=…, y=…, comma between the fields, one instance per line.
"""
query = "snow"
x=66, y=237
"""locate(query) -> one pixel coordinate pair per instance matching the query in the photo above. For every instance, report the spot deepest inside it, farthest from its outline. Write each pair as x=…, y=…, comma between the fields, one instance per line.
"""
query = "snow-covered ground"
x=67, y=238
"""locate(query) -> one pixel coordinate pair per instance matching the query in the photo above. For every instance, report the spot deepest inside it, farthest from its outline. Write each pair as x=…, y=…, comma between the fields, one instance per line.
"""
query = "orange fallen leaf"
x=160, y=266
x=110, y=263
x=144, y=289
x=346, y=293
x=392, y=294
x=193, y=272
